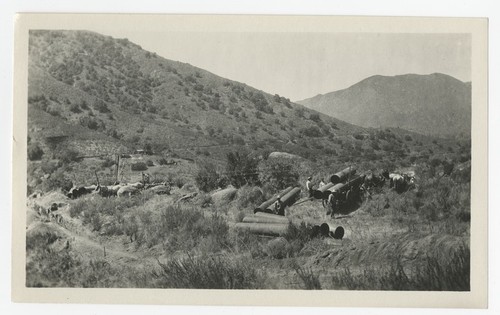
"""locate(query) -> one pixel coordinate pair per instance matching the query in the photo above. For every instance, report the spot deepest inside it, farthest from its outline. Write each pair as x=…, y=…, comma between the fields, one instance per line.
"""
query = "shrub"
x=208, y=272
x=312, y=131
x=75, y=108
x=35, y=152
x=58, y=180
x=138, y=166
x=241, y=169
x=315, y=117
x=207, y=178
x=67, y=156
x=108, y=162
x=150, y=163
x=101, y=106
x=279, y=174
x=250, y=196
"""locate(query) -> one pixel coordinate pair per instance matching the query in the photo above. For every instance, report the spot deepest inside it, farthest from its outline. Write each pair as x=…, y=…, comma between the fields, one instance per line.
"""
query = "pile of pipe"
x=325, y=230
x=265, y=221
x=264, y=224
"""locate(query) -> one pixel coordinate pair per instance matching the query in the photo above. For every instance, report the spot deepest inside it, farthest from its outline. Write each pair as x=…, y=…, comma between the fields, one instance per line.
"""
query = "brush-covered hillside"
x=93, y=95
x=135, y=98
x=435, y=104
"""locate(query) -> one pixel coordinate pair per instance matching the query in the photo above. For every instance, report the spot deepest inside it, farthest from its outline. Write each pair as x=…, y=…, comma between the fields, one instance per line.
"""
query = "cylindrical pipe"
x=327, y=230
x=263, y=228
x=341, y=188
x=289, y=198
x=320, y=192
x=357, y=181
x=262, y=217
x=268, y=203
x=332, y=189
x=342, y=175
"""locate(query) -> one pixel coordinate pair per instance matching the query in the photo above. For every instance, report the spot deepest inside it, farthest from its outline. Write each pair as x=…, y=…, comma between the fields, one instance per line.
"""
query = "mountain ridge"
x=434, y=104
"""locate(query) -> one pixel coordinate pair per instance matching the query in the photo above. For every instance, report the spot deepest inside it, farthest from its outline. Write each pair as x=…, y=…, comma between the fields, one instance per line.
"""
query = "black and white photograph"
x=224, y=157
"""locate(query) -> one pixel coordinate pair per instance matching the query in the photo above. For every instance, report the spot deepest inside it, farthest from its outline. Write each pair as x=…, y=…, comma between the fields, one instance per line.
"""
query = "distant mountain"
x=435, y=104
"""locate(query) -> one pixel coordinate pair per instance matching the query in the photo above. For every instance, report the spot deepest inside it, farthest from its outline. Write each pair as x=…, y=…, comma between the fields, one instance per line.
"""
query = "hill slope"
x=136, y=98
x=434, y=104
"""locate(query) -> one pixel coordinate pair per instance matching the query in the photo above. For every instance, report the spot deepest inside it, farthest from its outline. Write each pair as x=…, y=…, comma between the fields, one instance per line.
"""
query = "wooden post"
x=97, y=177
x=117, y=167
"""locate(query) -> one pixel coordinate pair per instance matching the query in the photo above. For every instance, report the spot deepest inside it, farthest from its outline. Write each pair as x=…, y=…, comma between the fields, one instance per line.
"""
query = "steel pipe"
x=320, y=192
x=342, y=175
x=266, y=205
x=263, y=228
x=290, y=197
x=262, y=217
x=327, y=231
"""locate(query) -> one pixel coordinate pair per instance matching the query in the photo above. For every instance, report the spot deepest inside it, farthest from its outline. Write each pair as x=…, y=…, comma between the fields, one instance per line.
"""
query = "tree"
x=241, y=169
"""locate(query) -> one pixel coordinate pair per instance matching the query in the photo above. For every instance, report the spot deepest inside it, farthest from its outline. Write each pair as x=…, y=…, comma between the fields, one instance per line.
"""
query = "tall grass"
x=208, y=272
x=435, y=274
x=309, y=279
x=60, y=266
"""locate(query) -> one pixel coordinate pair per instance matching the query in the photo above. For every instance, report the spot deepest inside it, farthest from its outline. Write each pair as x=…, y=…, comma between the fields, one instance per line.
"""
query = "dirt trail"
x=82, y=241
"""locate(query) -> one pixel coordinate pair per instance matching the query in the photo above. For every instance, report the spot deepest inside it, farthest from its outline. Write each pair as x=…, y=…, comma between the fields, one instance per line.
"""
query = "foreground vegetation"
x=416, y=240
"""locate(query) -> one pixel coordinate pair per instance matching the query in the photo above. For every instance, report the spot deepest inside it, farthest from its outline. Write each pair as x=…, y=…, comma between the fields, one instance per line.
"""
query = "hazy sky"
x=302, y=65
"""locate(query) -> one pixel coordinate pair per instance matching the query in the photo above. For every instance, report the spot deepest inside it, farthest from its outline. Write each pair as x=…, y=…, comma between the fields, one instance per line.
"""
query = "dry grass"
x=434, y=274
x=209, y=272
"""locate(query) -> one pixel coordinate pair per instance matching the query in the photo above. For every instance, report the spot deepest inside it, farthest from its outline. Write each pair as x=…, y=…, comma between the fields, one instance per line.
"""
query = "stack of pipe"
x=325, y=230
x=263, y=221
x=265, y=224
x=342, y=175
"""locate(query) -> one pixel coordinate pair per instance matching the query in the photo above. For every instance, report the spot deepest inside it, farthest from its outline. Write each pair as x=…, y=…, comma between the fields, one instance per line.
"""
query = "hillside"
x=115, y=88
x=434, y=104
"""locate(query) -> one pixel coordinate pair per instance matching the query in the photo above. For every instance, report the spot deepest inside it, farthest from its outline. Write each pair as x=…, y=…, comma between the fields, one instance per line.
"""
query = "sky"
x=302, y=65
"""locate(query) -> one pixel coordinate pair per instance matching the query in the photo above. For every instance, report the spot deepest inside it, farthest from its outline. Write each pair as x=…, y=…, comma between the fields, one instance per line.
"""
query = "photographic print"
x=271, y=154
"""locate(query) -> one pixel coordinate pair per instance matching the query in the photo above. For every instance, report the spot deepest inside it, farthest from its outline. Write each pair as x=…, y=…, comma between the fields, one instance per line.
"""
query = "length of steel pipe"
x=266, y=205
x=326, y=229
x=342, y=175
x=289, y=198
x=320, y=192
x=263, y=228
x=281, y=218
x=357, y=181
x=332, y=189
x=262, y=217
